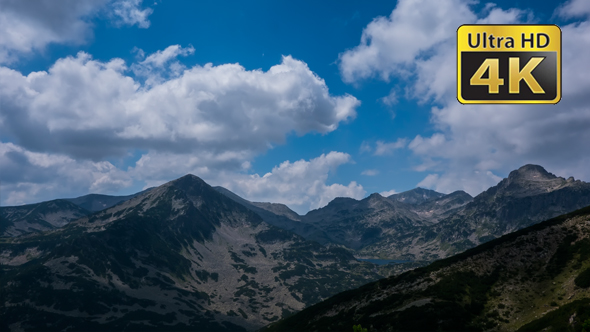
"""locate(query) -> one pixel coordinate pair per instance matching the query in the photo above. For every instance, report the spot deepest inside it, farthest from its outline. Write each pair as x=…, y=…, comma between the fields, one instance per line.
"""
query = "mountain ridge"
x=415, y=196
x=179, y=256
x=97, y=202
x=53, y=214
x=528, y=195
x=38, y=217
x=422, y=224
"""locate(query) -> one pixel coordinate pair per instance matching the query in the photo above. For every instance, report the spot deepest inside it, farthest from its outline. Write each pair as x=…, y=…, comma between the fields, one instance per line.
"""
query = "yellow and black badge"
x=509, y=64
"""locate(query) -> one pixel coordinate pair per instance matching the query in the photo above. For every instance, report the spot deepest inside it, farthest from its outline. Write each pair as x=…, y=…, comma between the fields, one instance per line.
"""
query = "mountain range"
x=97, y=202
x=19, y=220
x=186, y=256
x=178, y=256
x=425, y=225
x=418, y=225
x=39, y=217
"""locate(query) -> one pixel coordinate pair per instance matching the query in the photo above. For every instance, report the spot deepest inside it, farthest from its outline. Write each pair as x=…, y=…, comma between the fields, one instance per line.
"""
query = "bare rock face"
x=439, y=207
x=358, y=224
x=279, y=215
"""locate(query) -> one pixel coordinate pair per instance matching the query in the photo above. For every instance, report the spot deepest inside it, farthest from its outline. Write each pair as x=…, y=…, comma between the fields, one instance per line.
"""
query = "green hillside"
x=534, y=279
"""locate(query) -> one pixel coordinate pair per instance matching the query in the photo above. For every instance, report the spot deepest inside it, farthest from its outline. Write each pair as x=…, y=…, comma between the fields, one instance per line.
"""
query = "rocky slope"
x=18, y=220
x=416, y=196
x=535, y=279
x=383, y=227
x=44, y=216
x=279, y=215
x=97, y=202
x=529, y=195
x=425, y=225
x=440, y=207
x=179, y=257
x=357, y=224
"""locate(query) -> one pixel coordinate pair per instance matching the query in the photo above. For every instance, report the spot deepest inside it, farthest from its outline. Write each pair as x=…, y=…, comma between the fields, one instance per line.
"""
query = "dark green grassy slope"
x=532, y=279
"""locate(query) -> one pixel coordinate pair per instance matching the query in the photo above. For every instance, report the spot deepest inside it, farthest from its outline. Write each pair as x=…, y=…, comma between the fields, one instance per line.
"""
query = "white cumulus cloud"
x=161, y=65
x=390, y=44
x=302, y=184
x=129, y=12
x=26, y=27
x=86, y=108
x=474, y=143
x=206, y=120
x=29, y=177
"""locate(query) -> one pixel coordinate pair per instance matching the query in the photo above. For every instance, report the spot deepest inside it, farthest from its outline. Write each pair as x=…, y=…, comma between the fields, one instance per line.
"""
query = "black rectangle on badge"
x=545, y=74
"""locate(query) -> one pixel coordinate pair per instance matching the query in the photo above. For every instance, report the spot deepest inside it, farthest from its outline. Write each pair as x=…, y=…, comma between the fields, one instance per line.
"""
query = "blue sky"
x=291, y=102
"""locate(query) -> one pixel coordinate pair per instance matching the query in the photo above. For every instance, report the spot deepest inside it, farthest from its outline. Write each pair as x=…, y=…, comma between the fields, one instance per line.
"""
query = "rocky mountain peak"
x=375, y=196
x=527, y=181
x=338, y=201
x=189, y=180
x=195, y=188
x=531, y=173
x=459, y=193
x=376, y=201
